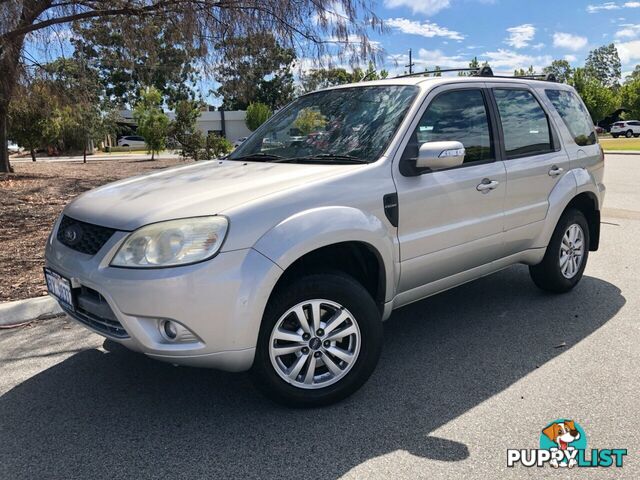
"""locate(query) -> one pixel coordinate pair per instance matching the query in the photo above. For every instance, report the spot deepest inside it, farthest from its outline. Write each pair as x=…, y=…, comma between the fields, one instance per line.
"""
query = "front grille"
x=81, y=236
x=94, y=311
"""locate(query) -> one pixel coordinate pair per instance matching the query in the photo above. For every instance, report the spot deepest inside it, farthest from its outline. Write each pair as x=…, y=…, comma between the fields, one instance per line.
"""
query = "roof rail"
x=484, y=71
x=444, y=70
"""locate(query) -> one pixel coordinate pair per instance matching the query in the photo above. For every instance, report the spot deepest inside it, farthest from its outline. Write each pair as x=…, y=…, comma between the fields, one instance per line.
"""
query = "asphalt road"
x=464, y=376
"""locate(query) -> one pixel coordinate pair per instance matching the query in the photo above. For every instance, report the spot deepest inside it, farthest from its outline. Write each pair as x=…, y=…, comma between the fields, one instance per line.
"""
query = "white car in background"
x=628, y=128
x=131, y=141
x=13, y=148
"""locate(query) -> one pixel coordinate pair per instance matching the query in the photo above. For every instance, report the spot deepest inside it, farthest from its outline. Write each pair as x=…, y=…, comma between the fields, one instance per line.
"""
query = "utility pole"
x=411, y=64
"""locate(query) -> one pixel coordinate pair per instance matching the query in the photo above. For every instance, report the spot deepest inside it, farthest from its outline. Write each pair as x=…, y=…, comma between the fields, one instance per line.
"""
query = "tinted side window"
x=461, y=116
x=574, y=116
x=524, y=123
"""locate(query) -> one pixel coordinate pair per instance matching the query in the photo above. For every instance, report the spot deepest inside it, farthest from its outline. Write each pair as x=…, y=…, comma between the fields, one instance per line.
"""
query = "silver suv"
x=285, y=257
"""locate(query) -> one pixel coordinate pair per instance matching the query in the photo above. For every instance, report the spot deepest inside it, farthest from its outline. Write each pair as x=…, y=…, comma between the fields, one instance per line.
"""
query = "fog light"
x=169, y=329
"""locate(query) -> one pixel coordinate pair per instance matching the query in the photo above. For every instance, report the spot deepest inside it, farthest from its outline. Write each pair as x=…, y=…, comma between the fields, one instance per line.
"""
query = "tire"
x=125, y=145
x=330, y=290
x=548, y=275
x=629, y=134
x=615, y=135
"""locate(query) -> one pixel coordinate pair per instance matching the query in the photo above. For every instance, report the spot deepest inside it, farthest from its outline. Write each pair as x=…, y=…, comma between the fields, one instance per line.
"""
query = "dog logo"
x=563, y=434
x=563, y=444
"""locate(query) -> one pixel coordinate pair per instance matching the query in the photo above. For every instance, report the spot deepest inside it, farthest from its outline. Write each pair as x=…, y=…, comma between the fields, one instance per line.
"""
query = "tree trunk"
x=5, y=166
x=33, y=154
x=9, y=72
x=152, y=155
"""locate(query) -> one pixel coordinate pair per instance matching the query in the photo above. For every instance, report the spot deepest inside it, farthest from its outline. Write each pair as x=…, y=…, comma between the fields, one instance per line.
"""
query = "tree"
x=206, y=23
x=599, y=99
x=127, y=54
x=153, y=124
x=30, y=117
x=316, y=79
x=561, y=69
x=604, y=65
x=257, y=114
x=635, y=75
x=257, y=61
x=217, y=146
x=524, y=73
x=183, y=127
x=630, y=95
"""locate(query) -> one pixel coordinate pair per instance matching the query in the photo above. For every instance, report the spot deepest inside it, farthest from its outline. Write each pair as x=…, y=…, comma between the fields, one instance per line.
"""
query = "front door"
x=451, y=220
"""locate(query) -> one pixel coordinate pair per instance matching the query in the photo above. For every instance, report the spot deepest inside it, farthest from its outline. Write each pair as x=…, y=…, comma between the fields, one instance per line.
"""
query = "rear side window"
x=524, y=123
x=458, y=115
x=574, y=116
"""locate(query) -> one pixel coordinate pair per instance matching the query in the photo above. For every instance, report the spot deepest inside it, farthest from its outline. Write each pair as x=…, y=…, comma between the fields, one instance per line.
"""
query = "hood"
x=204, y=188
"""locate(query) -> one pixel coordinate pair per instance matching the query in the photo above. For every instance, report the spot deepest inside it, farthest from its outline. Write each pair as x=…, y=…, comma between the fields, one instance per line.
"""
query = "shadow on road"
x=119, y=414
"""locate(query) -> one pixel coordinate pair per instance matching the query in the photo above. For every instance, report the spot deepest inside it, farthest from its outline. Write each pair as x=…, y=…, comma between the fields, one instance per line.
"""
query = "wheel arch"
x=335, y=238
x=587, y=203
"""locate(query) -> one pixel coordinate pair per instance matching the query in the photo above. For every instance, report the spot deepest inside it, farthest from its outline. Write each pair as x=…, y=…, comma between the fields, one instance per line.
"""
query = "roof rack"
x=484, y=71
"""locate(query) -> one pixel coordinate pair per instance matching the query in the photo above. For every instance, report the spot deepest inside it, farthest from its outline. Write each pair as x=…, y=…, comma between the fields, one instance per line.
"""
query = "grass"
x=610, y=143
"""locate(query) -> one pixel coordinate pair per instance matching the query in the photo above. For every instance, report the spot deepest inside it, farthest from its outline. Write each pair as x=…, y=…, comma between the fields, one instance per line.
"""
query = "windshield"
x=331, y=126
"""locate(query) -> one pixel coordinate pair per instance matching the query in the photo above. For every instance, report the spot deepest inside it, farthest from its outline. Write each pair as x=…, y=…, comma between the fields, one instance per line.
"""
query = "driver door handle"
x=555, y=171
x=487, y=185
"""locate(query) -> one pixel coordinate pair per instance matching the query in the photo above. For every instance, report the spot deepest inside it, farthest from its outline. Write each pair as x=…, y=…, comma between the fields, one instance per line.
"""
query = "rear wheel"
x=319, y=341
x=629, y=134
x=566, y=257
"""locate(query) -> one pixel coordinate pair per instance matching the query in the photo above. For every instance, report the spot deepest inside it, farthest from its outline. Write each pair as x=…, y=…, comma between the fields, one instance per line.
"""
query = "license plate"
x=59, y=287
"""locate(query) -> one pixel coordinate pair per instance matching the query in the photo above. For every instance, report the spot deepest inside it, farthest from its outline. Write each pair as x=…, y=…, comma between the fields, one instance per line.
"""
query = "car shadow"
x=118, y=414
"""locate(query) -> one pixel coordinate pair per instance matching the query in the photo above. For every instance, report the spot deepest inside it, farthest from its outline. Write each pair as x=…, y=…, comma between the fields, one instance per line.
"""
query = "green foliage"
x=630, y=95
x=257, y=114
x=256, y=69
x=153, y=124
x=604, y=65
x=309, y=120
x=316, y=79
x=30, y=116
x=127, y=54
x=522, y=72
x=599, y=99
x=217, y=146
x=561, y=69
x=183, y=128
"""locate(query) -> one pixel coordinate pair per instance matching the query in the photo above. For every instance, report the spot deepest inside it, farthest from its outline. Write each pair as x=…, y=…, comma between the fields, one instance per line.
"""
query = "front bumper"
x=220, y=300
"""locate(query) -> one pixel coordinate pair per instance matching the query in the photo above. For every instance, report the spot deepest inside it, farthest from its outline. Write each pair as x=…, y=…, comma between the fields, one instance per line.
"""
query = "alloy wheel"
x=572, y=251
x=314, y=344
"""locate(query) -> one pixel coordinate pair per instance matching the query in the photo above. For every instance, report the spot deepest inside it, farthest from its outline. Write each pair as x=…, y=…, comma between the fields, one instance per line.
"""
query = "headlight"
x=176, y=242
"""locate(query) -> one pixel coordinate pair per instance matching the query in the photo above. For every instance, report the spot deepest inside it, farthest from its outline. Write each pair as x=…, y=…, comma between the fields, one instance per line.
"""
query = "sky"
x=509, y=34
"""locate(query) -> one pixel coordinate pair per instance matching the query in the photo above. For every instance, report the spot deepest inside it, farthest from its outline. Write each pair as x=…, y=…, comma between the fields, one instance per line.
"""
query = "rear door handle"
x=555, y=171
x=487, y=185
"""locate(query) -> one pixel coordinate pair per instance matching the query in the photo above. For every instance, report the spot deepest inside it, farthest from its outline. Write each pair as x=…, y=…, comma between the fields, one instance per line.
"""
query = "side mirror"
x=438, y=155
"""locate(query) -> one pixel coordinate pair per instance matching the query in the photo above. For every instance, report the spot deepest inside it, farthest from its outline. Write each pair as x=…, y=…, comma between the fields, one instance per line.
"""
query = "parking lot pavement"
x=464, y=376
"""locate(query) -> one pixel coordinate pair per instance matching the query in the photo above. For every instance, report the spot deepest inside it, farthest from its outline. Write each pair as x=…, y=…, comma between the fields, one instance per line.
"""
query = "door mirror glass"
x=439, y=155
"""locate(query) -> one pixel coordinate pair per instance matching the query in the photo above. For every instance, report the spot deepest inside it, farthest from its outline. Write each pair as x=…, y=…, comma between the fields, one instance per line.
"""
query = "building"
x=228, y=124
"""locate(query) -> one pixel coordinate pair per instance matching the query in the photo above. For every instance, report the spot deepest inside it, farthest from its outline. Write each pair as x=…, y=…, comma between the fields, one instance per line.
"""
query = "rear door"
x=447, y=224
x=534, y=160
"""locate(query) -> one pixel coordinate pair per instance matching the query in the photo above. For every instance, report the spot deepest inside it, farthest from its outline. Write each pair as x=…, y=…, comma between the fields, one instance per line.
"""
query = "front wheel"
x=614, y=135
x=319, y=341
x=566, y=257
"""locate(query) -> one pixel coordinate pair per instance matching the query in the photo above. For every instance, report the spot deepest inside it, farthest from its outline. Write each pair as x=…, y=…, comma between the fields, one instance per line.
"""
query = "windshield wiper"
x=320, y=157
x=267, y=157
